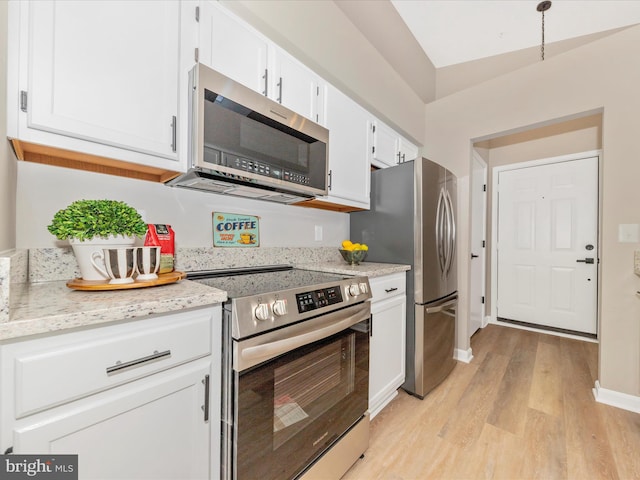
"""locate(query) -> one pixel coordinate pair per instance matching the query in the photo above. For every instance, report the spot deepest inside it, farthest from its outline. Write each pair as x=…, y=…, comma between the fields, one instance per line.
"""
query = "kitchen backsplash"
x=49, y=264
x=13, y=269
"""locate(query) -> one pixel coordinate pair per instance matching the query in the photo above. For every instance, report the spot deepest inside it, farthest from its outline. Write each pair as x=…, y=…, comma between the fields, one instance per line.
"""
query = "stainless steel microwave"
x=243, y=143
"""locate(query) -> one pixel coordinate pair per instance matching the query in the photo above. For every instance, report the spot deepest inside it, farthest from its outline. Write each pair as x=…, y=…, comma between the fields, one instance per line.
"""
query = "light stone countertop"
x=44, y=307
x=47, y=307
x=369, y=269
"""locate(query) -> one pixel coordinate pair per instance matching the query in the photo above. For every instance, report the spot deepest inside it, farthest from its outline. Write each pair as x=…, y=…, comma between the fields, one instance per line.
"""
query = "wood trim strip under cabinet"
x=31, y=152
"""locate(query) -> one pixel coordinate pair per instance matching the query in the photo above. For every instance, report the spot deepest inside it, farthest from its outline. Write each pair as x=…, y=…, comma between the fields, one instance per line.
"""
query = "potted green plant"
x=91, y=225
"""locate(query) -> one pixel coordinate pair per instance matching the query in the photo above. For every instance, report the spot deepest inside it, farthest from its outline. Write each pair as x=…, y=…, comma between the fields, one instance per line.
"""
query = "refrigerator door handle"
x=451, y=232
x=440, y=221
x=443, y=307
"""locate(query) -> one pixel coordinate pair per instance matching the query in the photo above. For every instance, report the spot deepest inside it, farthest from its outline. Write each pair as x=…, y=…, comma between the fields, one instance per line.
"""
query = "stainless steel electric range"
x=295, y=372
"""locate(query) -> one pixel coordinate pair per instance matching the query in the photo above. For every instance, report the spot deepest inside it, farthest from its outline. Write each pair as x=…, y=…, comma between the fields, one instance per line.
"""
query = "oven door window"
x=292, y=408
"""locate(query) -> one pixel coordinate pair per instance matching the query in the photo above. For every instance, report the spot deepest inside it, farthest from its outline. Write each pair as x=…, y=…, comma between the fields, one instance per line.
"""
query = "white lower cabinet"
x=139, y=414
x=387, y=343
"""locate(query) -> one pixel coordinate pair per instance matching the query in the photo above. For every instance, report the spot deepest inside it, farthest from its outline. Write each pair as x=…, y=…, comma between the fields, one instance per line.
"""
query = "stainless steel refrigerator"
x=412, y=221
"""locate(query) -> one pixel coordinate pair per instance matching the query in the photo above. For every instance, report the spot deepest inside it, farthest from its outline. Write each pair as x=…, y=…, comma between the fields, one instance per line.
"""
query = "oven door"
x=293, y=406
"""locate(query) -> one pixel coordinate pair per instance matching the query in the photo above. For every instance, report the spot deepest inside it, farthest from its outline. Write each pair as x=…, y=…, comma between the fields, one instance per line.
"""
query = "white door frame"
x=483, y=254
x=494, y=230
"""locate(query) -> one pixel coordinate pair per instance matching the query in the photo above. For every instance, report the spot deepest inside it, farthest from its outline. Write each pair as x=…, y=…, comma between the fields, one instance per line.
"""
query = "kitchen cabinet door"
x=233, y=48
x=349, y=171
x=384, y=152
x=103, y=72
x=298, y=88
x=153, y=428
x=389, y=148
x=387, y=343
x=407, y=150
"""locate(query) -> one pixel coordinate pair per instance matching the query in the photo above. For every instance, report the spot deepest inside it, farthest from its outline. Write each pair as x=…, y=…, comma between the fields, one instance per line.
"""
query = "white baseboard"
x=616, y=399
x=464, y=356
x=486, y=321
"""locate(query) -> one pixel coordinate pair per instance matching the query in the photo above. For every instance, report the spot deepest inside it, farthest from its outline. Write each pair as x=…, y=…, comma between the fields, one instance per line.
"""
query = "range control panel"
x=318, y=298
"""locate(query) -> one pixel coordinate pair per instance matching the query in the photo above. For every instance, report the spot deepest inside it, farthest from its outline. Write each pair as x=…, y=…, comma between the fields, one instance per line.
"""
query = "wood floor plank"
x=545, y=447
x=546, y=386
x=465, y=424
x=623, y=429
x=589, y=453
x=509, y=411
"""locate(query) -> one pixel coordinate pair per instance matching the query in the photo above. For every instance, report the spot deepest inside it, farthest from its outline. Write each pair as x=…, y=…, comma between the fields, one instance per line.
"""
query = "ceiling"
x=457, y=31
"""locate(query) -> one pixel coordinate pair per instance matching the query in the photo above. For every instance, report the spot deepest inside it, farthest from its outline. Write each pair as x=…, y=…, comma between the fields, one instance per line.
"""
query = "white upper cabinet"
x=234, y=48
x=298, y=88
x=349, y=170
x=99, y=77
x=407, y=150
x=389, y=148
x=383, y=153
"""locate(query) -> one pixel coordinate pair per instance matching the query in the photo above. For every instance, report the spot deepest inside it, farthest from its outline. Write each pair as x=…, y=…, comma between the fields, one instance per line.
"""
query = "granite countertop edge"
x=369, y=269
x=52, y=307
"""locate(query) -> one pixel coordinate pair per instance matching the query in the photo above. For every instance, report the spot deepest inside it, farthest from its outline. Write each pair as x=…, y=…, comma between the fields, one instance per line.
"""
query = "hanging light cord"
x=542, y=7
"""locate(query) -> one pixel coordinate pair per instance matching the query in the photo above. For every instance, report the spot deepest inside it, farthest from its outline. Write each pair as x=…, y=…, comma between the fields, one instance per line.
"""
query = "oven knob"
x=354, y=290
x=363, y=287
x=279, y=307
x=262, y=311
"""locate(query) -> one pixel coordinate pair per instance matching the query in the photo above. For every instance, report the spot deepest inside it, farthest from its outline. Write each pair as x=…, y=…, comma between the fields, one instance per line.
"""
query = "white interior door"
x=478, y=237
x=547, y=245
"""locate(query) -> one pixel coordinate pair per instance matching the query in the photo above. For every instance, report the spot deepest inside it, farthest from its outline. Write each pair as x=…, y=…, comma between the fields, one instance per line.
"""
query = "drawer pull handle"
x=119, y=366
x=389, y=290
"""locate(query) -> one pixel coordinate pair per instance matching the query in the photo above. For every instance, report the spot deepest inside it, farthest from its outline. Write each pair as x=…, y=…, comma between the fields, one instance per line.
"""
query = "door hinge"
x=23, y=100
x=484, y=187
x=198, y=14
x=483, y=244
x=483, y=300
x=196, y=54
x=373, y=128
x=373, y=149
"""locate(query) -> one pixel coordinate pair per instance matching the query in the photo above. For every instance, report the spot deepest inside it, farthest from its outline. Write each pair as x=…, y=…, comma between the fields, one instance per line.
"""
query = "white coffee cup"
x=119, y=264
x=147, y=263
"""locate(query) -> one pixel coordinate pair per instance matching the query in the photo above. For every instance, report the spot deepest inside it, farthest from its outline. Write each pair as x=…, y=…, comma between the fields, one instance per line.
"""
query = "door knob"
x=586, y=260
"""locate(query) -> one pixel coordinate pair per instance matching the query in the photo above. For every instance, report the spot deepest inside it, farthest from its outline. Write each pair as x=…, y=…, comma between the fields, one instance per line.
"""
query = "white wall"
x=43, y=190
x=7, y=159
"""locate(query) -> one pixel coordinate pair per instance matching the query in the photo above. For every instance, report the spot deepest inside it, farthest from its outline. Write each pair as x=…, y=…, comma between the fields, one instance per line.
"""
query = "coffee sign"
x=234, y=230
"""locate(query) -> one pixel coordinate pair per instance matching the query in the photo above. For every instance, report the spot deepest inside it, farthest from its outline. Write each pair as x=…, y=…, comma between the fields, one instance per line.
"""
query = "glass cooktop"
x=244, y=283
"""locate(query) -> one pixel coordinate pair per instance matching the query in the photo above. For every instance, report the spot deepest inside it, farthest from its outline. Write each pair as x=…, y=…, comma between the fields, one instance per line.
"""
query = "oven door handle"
x=253, y=355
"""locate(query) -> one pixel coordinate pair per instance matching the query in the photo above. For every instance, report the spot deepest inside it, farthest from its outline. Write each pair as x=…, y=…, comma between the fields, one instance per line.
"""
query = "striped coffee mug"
x=147, y=263
x=119, y=264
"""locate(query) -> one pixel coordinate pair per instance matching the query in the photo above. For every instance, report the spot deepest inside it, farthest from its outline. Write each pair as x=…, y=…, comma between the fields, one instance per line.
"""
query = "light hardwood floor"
x=522, y=409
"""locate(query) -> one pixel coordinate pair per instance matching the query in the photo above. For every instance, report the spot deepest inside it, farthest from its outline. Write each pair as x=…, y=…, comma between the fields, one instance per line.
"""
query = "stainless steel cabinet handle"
x=280, y=91
x=119, y=366
x=389, y=290
x=174, y=134
x=266, y=83
x=205, y=407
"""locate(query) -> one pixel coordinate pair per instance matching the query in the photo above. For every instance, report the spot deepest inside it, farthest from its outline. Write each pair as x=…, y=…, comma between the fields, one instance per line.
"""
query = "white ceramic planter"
x=83, y=250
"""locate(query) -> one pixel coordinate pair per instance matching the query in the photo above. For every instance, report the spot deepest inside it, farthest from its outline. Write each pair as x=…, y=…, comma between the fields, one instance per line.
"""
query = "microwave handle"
x=330, y=179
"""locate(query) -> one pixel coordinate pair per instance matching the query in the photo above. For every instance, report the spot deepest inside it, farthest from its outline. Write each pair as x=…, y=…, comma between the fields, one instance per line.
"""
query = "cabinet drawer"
x=75, y=365
x=388, y=286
